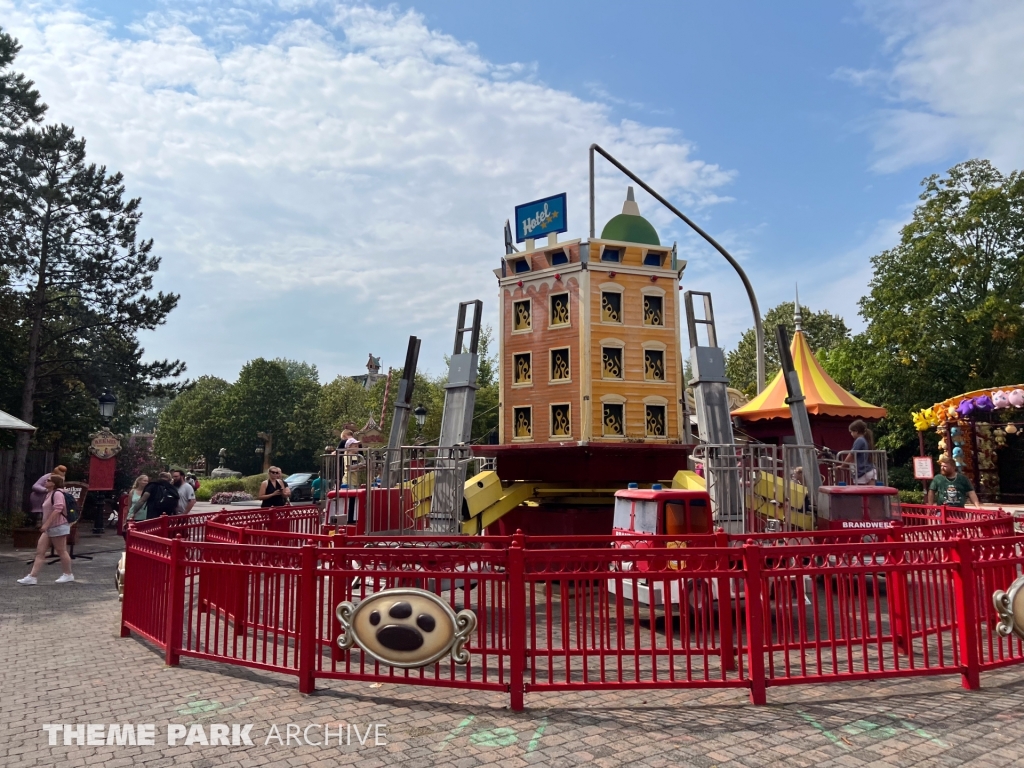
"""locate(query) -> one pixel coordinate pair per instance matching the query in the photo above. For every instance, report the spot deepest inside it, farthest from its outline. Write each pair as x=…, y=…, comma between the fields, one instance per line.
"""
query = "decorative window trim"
x=622, y=307
x=643, y=312
x=622, y=362
x=612, y=342
x=568, y=360
x=515, y=439
x=649, y=435
x=612, y=288
x=622, y=403
x=660, y=251
x=664, y=373
x=526, y=384
x=613, y=398
x=658, y=346
x=550, y=255
x=655, y=400
x=653, y=291
x=568, y=310
x=568, y=410
x=528, y=301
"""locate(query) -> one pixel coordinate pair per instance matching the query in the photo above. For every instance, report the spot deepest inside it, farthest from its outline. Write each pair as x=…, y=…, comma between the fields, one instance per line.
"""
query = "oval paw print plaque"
x=406, y=628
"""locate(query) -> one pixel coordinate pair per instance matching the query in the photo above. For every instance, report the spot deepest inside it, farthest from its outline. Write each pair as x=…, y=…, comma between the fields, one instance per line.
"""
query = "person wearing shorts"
x=55, y=530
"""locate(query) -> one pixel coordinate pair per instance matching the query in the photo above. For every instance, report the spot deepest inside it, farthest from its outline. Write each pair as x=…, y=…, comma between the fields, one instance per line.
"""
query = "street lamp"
x=107, y=403
x=421, y=415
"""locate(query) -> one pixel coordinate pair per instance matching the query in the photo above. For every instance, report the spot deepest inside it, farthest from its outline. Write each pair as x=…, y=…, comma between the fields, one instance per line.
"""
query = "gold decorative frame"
x=1010, y=607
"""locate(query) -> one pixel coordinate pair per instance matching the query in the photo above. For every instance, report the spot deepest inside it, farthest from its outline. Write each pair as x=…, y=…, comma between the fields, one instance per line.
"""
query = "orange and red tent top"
x=821, y=394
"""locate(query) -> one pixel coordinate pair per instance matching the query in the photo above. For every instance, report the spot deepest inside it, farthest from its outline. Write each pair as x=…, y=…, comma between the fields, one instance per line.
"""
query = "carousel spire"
x=798, y=319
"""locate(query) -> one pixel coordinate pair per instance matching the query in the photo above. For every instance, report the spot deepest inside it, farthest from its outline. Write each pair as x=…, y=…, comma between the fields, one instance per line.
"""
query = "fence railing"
x=259, y=588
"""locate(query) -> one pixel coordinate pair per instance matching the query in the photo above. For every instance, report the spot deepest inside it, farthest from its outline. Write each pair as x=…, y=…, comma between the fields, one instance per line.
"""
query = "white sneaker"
x=28, y=581
x=65, y=578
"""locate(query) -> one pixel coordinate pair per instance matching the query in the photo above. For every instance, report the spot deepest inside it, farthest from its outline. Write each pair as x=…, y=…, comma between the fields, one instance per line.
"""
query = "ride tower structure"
x=590, y=339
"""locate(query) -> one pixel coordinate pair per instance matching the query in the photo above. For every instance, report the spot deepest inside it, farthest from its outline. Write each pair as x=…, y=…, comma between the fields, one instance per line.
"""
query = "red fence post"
x=755, y=622
x=516, y=620
x=175, y=611
x=966, y=585
x=308, y=641
x=125, y=632
x=899, y=595
x=725, y=605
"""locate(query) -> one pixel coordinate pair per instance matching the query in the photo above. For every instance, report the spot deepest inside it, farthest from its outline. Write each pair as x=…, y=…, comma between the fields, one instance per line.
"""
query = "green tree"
x=261, y=400
x=81, y=278
x=342, y=401
x=945, y=312
x=192, y=425
x=485, y=411
x=824, y=332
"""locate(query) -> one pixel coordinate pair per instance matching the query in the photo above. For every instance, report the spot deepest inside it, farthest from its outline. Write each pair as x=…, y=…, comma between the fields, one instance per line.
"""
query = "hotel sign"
x=541, y=218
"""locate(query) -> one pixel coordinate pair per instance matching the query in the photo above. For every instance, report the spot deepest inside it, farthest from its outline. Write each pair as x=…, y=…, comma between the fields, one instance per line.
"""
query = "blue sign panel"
x=541, y=218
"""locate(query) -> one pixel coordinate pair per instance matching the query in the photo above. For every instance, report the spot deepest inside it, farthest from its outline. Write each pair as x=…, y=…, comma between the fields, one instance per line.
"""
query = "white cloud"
x=954, y=84
x=323, y=179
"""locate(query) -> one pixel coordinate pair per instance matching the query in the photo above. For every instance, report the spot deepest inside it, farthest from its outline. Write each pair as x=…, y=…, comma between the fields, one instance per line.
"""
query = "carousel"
x=981, y=431
x=831, y=408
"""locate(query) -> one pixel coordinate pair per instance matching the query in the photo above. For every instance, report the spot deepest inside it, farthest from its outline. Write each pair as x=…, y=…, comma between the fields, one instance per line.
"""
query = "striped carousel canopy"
x=821, y=394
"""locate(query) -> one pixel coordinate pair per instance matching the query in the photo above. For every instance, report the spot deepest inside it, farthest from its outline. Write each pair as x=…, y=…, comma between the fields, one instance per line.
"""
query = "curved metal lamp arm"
x=758, y=330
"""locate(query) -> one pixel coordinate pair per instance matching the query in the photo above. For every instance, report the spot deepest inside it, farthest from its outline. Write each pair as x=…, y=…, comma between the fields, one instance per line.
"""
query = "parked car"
x=301, y=485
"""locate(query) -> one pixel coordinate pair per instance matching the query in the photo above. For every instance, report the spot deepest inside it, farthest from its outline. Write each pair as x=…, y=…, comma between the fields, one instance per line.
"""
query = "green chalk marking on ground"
x=827, y=734
x=457, y=730
x=537, y=735
x=496, y=737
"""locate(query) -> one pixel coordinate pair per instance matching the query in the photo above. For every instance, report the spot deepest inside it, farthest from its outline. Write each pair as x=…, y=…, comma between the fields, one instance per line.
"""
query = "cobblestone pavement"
x=63, y=662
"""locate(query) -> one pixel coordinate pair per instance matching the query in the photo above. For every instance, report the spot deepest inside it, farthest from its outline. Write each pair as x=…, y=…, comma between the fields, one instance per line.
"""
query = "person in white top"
x=186, y=493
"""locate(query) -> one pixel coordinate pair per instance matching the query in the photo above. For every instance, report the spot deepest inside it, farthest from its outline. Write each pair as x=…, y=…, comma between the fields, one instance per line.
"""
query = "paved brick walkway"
x=63, y=662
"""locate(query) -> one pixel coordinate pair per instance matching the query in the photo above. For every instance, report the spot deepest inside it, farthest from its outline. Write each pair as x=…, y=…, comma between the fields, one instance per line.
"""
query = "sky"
x=324, y=179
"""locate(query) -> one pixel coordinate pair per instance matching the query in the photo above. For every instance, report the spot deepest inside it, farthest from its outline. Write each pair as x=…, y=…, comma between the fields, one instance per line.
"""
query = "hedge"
x=250, y=484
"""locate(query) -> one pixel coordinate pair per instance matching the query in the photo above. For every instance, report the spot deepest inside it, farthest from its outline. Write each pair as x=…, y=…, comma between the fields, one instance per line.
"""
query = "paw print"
x=406, y=628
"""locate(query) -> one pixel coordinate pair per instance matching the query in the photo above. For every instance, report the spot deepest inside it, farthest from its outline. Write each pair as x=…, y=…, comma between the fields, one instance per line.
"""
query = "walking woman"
x=137, y=490
x=55, y=530
x=274, y=491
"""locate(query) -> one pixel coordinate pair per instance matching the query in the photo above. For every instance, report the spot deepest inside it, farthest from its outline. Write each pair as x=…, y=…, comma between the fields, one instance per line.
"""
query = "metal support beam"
x=798, y=412
x=758, y=330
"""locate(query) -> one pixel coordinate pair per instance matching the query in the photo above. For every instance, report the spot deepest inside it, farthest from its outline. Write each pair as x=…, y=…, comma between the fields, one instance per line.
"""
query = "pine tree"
x=69, y=241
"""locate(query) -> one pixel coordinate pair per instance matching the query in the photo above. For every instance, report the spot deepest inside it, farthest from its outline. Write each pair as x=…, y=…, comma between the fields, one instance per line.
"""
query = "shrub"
x=251, y=483
x=912, y=497
x=227, y=497
x=12, y=520
x=208, y=487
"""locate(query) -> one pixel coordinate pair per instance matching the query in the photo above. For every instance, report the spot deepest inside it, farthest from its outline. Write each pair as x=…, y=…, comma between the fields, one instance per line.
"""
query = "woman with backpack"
x=55, y=530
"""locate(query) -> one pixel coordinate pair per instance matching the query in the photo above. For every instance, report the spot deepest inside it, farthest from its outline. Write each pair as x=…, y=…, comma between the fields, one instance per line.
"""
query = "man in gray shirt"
x=186, y=494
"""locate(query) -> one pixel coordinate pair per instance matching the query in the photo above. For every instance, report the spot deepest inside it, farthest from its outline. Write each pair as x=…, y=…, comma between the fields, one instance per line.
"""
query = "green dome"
x=629, y=228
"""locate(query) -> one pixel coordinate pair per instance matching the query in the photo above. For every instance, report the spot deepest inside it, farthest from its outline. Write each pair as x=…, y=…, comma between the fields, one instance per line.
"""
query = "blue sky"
x=324, y=179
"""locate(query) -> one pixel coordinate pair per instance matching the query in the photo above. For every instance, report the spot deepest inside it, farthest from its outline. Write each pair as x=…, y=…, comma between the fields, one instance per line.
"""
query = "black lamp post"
x=107, y=403
x=421, y=416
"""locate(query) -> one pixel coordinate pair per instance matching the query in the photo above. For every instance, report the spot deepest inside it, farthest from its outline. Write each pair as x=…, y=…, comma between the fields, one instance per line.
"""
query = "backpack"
x=71, y=510
x=166, y=502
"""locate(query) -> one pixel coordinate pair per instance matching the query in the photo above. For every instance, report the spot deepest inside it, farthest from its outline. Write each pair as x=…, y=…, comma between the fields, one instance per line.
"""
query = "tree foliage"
x=945, y=311
x=192, y=425
x=824, y=332
x=283, y=397
x=74, y=271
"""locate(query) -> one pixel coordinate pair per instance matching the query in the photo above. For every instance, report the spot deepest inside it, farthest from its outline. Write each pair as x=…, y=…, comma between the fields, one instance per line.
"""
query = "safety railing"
x=558, y=613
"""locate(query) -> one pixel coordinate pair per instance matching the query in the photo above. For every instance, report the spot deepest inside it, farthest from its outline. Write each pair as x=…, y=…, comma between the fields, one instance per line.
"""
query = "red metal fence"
x=259, y=588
